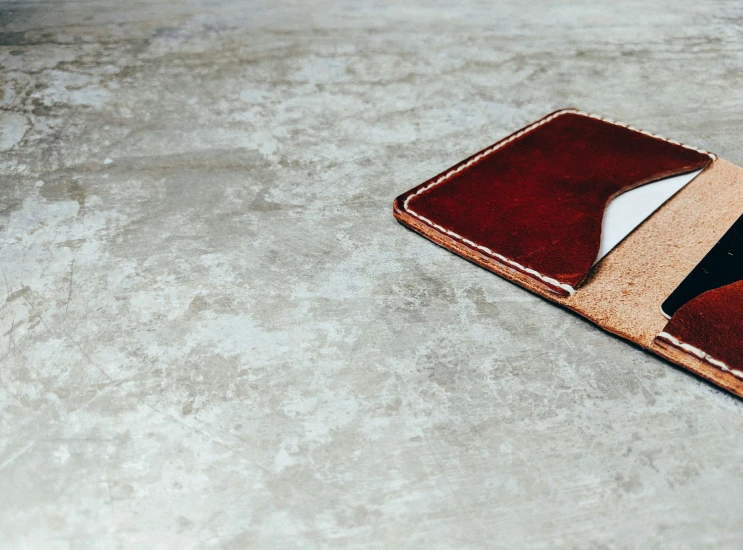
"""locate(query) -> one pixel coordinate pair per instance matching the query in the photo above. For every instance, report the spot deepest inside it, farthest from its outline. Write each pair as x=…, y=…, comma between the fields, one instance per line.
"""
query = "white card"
x=630, y=209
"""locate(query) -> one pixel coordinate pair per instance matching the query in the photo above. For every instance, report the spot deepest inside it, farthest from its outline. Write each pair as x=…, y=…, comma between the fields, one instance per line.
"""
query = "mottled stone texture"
x=214, y=334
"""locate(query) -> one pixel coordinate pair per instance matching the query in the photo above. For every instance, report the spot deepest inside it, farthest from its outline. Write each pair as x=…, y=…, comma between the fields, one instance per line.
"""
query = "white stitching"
x=704, y=356
x=497, y=146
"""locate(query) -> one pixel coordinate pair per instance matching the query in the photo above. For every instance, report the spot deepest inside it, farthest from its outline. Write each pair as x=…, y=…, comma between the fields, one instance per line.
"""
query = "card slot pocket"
x=710, y=327
x=535, y=201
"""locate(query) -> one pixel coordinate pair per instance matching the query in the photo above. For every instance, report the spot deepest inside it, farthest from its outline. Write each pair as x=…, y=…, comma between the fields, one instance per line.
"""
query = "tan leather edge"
x=623, y=293
x=468, y=253
x=700, y=368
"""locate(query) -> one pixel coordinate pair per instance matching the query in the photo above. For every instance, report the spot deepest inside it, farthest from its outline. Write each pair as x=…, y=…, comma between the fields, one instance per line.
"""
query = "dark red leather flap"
x=536, y=200
x=711, y=327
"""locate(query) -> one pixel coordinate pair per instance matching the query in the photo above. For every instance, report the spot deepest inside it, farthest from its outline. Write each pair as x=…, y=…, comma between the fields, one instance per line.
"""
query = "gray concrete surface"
x=214, y=334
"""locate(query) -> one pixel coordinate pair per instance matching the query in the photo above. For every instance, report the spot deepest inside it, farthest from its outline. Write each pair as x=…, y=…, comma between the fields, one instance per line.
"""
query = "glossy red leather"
x=539, y=200
x=713, y=323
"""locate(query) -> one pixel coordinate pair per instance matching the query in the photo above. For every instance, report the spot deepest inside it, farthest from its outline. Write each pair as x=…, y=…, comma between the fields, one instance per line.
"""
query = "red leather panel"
x=713, y=323
x=539, y=200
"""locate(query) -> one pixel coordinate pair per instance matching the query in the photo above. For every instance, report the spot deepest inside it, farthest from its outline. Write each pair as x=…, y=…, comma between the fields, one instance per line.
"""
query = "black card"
x=722, y=266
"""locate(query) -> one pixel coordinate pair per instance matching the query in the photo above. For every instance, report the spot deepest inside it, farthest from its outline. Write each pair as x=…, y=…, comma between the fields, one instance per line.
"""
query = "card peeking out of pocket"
x=706, y=309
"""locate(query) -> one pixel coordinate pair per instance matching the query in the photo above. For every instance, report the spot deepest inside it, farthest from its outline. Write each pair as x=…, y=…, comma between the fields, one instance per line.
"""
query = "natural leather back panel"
x=624, y=291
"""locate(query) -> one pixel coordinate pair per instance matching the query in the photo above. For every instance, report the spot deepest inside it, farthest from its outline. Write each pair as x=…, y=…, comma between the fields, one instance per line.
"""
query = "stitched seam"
x=704, y=356
x=477, y=158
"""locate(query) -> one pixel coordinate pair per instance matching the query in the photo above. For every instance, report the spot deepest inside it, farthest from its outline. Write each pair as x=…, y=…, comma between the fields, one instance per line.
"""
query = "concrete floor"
x=215, y=335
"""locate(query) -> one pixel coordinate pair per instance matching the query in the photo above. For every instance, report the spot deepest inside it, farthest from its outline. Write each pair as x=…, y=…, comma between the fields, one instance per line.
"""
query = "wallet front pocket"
x=535, y=201
x=710, y=327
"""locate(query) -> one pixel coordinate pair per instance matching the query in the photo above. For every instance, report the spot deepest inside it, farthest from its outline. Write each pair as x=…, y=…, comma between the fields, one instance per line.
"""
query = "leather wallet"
x=530, y=209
